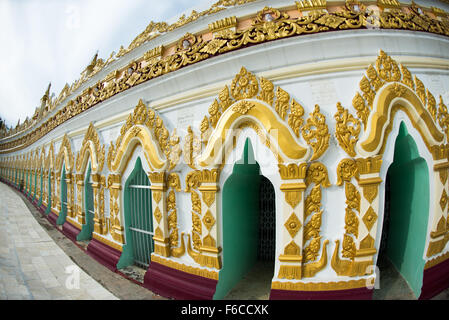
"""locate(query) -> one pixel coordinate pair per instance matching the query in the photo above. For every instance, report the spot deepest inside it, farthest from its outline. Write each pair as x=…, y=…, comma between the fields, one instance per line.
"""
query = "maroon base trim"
x=349, y=294
x=42, y=209
x=435, y=280
x=70, y=231
x=104, y=254
x=171, y=283
x=52, y=217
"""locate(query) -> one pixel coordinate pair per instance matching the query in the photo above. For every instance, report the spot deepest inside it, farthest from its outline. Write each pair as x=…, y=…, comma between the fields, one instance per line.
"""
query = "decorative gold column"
x=79, y=208
x=116, y=230
x=210, y=252
x=52, y=181
x=159, y=214
x=37, y=189
x=45, y=187
x=57, y=204
x=293, y=186
x=369, y=181
x=68, y=181
x=361, y=216
x=204, y=235
x=439, y=236
x=98, y=184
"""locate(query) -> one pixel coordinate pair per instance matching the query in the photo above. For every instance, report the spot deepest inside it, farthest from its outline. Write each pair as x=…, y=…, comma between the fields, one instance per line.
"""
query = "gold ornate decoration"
x=144, y=124
x=174, y=184
x=91, y=143
x=347, y=130
x=65, y=153
x=192, y=148
x=204, y=231
x=116, y=228
x=317, y=175
x=123, y=79
x=316, y=133
x=184, y=268
x=321, y=286
x=316, y=6
x=267, y=121
x=388, y=4
x=388, y=80
x=293, y=224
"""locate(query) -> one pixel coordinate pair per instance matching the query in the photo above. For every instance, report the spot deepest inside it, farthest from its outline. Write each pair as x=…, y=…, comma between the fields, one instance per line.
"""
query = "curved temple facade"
x=303, y=141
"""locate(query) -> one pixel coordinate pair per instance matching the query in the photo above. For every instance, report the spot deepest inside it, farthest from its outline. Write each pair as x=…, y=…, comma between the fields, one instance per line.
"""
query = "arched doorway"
x=138, y=220
x=404, y=227
x=248, y=232
x=63, y=198
x=88, y=227
x=49, y=195
x=41, y=188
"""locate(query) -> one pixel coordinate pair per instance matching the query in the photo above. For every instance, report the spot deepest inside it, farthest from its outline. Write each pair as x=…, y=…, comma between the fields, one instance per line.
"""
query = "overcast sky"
x=46, y=41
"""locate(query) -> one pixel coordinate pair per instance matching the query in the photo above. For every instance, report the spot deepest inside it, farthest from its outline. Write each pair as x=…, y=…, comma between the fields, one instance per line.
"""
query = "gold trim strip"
x=107, y=242
x=375, y=180
x=73, y=223
x=436, y=261
x=441, y=166
x=321, y=286
x=184, y=268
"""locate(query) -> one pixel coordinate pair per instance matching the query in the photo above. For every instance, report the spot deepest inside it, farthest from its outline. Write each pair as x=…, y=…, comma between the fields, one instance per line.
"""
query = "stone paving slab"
x=44, y=252
x=32, y=265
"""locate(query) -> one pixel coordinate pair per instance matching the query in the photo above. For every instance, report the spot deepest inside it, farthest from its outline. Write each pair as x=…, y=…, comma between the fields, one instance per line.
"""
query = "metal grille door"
x=267, y=205
x=141, y=224
x=89, y=194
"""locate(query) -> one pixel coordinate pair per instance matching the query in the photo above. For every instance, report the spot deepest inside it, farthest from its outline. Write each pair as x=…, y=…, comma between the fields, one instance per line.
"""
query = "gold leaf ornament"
x=347, y=130
x=316, y=133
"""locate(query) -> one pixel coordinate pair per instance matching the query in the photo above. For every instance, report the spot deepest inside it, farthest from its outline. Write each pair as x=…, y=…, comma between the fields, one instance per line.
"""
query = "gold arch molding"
x=146, y=128
x=265, y=121
x=91, y=148
x=391, y=98
x=138, y=134
x=65, y=153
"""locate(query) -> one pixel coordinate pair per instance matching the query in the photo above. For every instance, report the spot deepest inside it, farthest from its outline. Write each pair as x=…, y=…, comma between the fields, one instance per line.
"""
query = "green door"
x=88, y=227
x=248, y=225
x=406, y=211
x=48, y=209
x=138, y=219
x=63, y=197
x=41, y=183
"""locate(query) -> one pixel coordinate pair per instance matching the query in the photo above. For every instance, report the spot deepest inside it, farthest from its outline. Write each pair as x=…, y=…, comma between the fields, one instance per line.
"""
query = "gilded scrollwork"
x=347, y=129
x=316, y=133
x=141, y=70
x=174, y=185
x=143, y=117
x=317, y=176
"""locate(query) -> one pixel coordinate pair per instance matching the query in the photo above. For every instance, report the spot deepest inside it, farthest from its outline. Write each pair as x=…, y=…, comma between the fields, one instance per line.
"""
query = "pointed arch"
x=387, y=88
x=91, y=147
x=144, y=127
x=264, y=120
x=257, y=103
x=389, y=99
x=65, y=153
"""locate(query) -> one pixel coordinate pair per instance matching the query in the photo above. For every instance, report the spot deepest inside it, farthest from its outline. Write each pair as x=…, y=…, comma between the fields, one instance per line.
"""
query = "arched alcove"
x=138, y=220
x=248, y=226
x=406, y=207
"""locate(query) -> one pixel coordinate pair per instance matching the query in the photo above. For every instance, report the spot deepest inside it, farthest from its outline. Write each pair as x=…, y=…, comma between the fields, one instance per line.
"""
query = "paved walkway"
x=32, y=265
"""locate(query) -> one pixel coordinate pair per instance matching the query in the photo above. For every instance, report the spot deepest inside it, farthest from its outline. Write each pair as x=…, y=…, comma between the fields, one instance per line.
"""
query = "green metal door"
x=63, y=198
x=88, y=227
x=47, y=211
x=41, y=182
x=140, y=224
